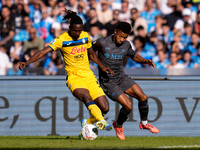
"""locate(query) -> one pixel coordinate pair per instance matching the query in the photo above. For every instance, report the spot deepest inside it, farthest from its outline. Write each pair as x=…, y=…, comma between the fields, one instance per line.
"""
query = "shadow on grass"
x=95, y=149
x=46, y=137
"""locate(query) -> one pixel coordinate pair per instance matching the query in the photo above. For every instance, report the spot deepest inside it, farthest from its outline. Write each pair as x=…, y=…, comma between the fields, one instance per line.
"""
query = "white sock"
x=103, y=120
x=144, y=122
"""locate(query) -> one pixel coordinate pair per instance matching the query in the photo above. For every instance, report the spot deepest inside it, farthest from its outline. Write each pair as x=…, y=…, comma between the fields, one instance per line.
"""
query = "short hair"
x=15, y=61
x=75, y=19
x=198, y=46
x=141, y=39
x=195, y=33
x=178, y=33
x=165, y=24
x=173, y=53
x=187, y=51
x=134, y=9
x=124, y=27
x=165, y=47
x=161, y=50
x=140, y=28
x=93, y=9
x=158, y=17
x=116, y=10
x=187, y=25
x=4, y=6
x=153, y=34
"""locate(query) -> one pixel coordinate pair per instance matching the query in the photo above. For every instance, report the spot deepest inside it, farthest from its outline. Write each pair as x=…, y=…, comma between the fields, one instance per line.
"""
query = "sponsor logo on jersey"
x=107, y=48
x=79, y=57
x=117, y=56
x=114, y=56
x=76, y=50
x=53, y=42
x=107, y=55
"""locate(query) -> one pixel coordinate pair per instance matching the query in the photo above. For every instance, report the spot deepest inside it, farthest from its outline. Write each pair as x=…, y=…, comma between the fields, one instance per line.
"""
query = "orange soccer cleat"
x=149, y=127
x=119, y=131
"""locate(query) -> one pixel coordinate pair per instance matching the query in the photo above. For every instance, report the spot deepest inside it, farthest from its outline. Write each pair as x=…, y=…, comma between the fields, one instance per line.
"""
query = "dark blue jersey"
x=111, y=55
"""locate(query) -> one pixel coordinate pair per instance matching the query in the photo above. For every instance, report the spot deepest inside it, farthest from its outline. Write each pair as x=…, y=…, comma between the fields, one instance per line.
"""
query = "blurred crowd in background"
x=165, y=31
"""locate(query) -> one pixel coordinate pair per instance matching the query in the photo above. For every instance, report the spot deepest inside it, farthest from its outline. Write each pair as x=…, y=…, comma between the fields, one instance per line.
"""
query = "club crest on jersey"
x=83, y=40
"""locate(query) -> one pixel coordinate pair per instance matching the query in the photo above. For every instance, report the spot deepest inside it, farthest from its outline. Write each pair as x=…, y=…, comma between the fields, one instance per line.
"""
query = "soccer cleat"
x=149, y=127
x=103, y=125
x=80, y=136
x=119, y=131
x=83, y=122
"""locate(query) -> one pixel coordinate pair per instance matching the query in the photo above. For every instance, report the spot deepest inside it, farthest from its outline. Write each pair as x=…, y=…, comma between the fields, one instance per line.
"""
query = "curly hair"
x=75, y=19
x=124, y=27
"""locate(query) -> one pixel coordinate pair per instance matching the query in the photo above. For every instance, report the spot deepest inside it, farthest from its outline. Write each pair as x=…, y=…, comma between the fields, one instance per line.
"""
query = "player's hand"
x=150, y=63
x=107, y=70
x=21, y=65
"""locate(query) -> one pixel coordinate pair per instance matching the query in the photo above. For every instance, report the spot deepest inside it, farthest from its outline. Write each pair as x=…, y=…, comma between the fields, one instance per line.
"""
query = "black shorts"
x=114, y=88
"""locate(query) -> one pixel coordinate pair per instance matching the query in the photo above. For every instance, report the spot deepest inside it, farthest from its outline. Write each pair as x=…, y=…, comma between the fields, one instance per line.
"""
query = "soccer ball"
x=89, y=132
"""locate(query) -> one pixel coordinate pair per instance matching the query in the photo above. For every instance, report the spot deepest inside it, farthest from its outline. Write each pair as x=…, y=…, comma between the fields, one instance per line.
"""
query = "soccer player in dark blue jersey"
x=111, y=51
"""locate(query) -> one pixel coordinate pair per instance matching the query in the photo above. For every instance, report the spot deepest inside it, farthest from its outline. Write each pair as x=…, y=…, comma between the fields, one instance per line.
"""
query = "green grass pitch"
x=102, y=142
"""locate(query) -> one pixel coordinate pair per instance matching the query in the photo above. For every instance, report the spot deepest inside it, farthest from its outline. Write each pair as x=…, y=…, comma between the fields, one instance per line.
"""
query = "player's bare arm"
x=139, y=59
x=35, y=57
x=94, y=58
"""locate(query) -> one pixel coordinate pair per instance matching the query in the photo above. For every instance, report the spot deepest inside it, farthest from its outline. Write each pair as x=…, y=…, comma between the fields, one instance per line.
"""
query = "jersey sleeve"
x=89, y=45
x=131, y=51
x=96, y=45
x=56, y=44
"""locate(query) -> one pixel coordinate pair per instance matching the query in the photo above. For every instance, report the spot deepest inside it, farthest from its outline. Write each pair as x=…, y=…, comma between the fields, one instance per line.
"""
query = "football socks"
x=144, y=109
x=95, y=111
x=123, y=116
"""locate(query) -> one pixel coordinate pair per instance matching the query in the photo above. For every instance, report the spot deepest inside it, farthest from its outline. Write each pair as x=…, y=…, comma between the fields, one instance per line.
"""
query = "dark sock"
x=144, y=109
x=123, y=116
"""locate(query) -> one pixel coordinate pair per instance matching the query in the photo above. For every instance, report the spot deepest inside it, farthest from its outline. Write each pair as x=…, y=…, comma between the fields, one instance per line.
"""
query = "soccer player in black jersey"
x=111, y=51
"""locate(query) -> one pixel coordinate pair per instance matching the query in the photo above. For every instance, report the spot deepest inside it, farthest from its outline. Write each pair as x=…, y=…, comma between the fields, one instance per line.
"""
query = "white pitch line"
x=179, y=146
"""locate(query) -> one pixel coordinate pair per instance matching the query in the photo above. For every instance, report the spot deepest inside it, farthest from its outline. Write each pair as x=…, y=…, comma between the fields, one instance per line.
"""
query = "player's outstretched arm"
x=140, y=59
x=35, y=57
x=94, y=58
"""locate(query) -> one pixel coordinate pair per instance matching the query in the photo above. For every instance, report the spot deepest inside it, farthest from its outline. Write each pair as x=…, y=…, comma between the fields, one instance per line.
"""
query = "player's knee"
x=129, y=107
x=105, y=110
x=86, y=98
x=143, y=97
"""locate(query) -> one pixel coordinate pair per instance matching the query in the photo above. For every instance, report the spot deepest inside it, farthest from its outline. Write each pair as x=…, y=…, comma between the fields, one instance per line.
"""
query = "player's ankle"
x=117, y=125
x=103, y=120
x=144, y=122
